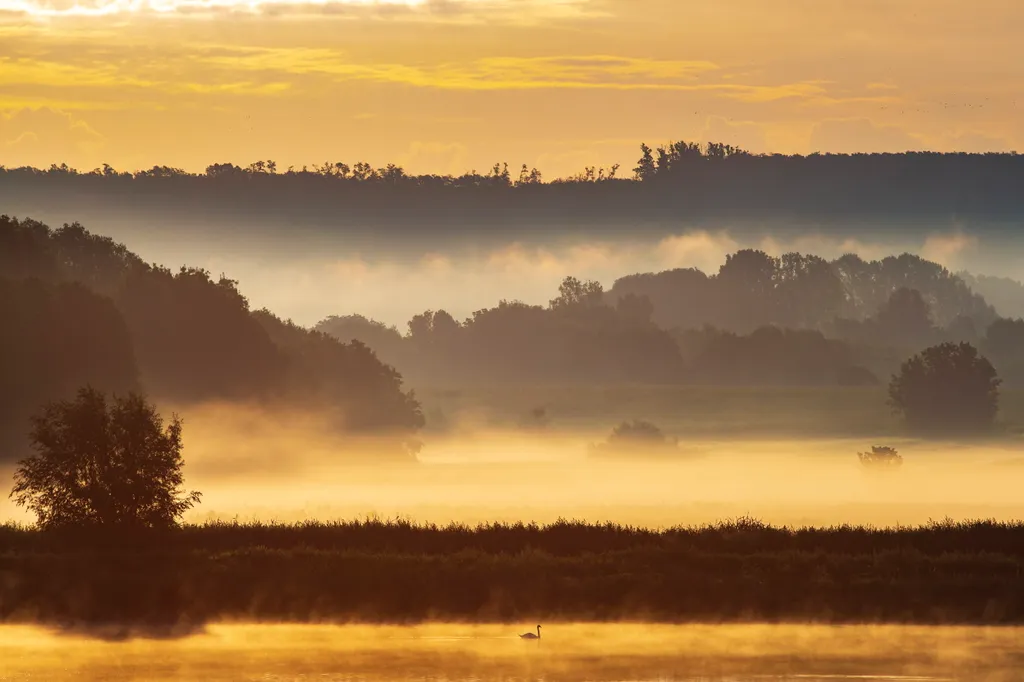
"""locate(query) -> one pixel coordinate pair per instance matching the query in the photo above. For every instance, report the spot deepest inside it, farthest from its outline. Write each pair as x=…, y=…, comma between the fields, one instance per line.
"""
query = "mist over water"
x=625, y=651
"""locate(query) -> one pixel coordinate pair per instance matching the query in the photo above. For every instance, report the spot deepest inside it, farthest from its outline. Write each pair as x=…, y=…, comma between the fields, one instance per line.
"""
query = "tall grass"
x=399, y=571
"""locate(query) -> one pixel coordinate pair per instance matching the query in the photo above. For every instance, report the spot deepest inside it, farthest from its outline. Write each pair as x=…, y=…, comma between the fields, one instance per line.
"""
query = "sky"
x=446, y=86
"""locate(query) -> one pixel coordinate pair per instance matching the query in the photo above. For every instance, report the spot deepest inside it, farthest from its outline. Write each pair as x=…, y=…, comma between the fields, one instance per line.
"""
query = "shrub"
x=881, y=457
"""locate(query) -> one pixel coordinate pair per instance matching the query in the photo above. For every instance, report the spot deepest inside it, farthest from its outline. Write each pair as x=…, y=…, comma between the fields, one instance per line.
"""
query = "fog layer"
x=309, y=273
x=491, y=652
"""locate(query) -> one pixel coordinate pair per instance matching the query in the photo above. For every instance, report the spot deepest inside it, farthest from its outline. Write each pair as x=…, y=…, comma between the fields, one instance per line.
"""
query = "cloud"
x=92, y=72
x=748, y=135
x=28, y=134
x=515, y=11
x=949, y=249
x=567, y=72
x=977, y=142
x=29, y=71
x=435, y=157
x=487, y=73
x=861, y=135
x=700, y=249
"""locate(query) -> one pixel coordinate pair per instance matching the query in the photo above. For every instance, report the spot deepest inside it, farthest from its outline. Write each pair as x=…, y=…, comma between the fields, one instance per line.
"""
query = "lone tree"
x=948, y=387
x=112, y=465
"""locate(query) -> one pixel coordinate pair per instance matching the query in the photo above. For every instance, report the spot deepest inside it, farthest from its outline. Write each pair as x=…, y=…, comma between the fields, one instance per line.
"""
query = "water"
x=484, y=653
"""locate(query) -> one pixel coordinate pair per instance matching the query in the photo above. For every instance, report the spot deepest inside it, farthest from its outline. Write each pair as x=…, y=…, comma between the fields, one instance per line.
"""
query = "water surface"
x=485, y=653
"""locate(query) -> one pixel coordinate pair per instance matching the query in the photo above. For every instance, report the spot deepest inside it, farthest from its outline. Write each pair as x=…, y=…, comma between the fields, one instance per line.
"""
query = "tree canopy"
x=948, y=387
x=753, y=289
x=112, y=464
x=77, y=308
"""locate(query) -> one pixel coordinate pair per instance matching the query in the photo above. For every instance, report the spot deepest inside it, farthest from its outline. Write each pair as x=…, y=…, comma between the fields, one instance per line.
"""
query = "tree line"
x=752, y=289
x=761, y=320
x=80, y=309
x=676, y=178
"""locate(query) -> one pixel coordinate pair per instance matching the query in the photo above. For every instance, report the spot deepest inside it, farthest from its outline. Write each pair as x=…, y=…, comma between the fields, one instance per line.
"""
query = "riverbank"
x=399, y=572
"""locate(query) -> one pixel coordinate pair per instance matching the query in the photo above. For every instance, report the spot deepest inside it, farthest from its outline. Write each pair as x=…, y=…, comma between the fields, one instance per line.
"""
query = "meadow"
x=690, y=411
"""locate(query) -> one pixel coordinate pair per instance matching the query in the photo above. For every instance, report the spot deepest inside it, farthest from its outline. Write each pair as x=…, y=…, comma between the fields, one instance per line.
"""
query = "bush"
x=636, y=437
x=881, y=457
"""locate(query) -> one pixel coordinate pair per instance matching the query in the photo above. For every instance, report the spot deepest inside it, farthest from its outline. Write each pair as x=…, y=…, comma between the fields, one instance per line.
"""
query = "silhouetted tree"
x=384, y=340
x=635, y=309
x=753, y=289
x=683, y=297
x=905, y=317
x=769, y=356
x=948, y=387
x=348, y=378
x=55, y=338
x=573, y=293
x=645, y=168
x=807, y=291
x=103, y=464
x=1004, y=344
x=1004, y=338
x=1006, y=295
x=193, y=335
x=746, y=285
x=961, y=328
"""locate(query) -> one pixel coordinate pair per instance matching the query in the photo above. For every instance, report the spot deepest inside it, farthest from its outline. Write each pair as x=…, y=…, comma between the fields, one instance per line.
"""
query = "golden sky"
x=450, y=85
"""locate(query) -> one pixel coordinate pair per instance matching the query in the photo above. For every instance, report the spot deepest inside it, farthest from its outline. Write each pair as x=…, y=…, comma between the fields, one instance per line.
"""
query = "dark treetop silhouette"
x=948, y=387
x=108, y=464
x=79, y=308
x=678, y=180
x=763, y=320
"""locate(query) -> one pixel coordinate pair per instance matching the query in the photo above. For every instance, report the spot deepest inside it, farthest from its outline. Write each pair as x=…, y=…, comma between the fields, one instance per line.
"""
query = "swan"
x=530, y=635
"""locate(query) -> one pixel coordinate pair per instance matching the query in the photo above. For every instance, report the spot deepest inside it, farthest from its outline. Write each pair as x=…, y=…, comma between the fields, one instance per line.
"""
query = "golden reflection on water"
x=482, y=653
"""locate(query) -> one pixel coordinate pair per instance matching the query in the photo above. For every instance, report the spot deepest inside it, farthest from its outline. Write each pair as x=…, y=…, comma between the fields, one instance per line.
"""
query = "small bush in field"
x=881, y=457
x=637, y=436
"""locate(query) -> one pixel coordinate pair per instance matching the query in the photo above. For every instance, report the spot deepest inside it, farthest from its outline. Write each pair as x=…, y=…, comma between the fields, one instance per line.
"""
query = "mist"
x=503, y=477
x=308, y=269
x=491, y=652
x=309, y=276
x=290, y=466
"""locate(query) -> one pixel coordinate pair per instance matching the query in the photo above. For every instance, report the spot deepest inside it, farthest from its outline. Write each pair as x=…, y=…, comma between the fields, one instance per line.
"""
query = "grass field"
x=402, y=572
x=689, y=411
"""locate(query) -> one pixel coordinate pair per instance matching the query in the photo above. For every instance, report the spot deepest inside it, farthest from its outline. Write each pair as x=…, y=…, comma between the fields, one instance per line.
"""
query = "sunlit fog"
x=565, y=651
x=308, y=274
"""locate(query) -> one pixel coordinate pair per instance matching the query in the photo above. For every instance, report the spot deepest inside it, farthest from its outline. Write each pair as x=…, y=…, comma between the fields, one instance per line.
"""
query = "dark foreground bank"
x=400, y=572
